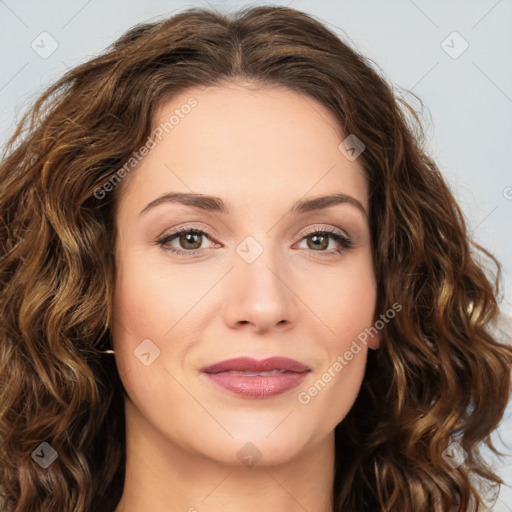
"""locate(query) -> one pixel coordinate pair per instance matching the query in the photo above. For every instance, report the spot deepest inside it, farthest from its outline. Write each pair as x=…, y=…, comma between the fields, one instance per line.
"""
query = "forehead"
x=246, y=145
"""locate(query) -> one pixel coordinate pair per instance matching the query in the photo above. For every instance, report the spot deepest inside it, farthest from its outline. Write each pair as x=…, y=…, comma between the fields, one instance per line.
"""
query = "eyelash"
x=343, y=240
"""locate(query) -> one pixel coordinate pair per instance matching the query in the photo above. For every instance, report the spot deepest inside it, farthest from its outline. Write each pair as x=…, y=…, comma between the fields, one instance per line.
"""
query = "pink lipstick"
x=251, y=378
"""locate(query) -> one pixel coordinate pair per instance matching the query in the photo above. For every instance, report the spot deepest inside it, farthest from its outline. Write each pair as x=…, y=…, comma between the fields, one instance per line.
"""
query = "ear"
x=374, y=341
x=375, y=332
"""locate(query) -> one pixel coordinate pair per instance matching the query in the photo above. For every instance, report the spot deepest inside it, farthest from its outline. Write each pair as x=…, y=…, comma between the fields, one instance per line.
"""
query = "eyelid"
x=188, y=227
x=209, y=232
x=167, y=237
x=329, y=229
x=341, y=237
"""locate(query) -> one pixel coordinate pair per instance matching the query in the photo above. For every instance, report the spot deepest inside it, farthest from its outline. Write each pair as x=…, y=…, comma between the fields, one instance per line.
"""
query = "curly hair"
x=440, y=375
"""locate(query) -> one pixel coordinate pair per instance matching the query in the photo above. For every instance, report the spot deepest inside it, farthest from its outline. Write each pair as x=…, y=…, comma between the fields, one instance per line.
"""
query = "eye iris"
x=185, y=239
x=315, y=238
x=192, y=240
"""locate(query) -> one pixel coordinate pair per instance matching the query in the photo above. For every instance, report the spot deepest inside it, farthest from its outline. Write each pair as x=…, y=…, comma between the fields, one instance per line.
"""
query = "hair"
x=440, y=374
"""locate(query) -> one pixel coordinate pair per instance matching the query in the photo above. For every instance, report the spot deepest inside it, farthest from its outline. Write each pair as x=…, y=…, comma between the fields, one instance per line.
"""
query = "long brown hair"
x=440, y=375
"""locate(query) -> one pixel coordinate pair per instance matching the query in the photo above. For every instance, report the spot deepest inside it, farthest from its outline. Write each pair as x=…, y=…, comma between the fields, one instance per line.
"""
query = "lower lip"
x=259, y=386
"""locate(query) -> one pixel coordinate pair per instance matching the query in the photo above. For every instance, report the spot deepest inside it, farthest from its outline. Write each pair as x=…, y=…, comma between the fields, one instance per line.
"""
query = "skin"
x=260, y=150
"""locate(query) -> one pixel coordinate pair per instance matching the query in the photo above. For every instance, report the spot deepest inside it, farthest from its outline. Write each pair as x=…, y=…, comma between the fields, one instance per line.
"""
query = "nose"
x=259, y=294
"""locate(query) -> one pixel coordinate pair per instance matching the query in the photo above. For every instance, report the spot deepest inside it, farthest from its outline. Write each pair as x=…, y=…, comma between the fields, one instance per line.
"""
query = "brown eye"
x=190, y=240
x=318, y=241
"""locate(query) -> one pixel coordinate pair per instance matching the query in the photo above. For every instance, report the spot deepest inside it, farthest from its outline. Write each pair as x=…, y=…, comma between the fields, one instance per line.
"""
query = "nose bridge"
x=258, y=290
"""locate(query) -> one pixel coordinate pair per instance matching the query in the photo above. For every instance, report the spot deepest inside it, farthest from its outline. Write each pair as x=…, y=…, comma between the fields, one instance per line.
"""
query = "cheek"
x=154, y=301
x=144, y=309
x=344, y=299
x=150, y=297
x=138, y=313
x=134, y=304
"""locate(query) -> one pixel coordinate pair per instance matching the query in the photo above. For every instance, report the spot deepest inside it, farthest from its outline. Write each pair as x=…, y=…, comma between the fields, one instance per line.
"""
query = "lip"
x=293, y=373
x=249, y=364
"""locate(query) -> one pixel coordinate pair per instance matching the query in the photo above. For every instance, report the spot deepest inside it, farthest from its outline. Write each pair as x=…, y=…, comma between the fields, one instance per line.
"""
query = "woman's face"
x=257, y=281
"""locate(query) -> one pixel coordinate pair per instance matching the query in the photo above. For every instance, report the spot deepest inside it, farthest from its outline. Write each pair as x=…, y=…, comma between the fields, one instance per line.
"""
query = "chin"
x=256, y=446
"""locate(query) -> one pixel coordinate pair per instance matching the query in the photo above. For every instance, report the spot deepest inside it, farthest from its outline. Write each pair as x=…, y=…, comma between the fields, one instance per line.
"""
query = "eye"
x=190, y=241
x=189, y=238
x=318, y=240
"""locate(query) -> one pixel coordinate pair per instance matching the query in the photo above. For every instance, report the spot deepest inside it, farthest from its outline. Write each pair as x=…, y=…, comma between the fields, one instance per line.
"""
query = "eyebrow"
x=218, y=205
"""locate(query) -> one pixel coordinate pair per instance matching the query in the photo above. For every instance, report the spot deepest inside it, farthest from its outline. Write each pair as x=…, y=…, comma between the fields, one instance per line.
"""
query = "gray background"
x=467, y=94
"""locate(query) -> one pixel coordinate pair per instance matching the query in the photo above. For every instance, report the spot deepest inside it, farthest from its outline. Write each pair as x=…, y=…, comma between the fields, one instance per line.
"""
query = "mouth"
x=250, y=365
x=251, y=374
x=250, y=378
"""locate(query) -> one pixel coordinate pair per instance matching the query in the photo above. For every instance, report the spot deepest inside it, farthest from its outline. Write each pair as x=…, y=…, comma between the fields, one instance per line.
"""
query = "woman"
x=232, y=279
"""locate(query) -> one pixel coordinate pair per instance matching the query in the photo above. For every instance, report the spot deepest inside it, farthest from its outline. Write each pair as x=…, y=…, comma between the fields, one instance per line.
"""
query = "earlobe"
x=374, y=342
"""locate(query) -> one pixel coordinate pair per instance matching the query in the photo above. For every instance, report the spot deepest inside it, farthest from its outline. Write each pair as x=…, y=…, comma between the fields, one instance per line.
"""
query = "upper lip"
x=253, y=365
